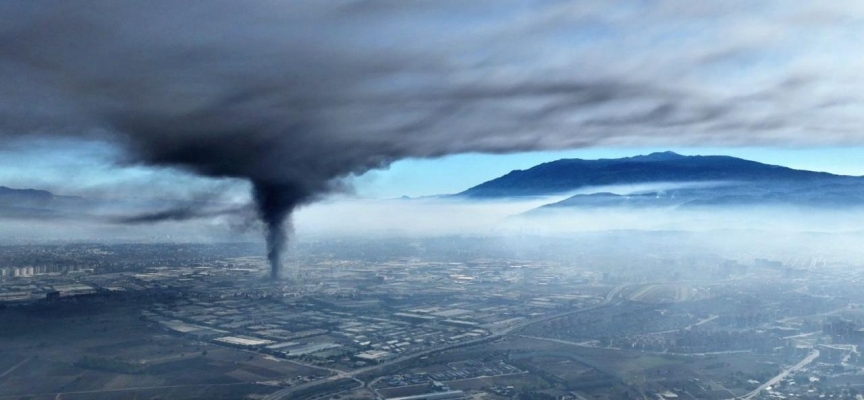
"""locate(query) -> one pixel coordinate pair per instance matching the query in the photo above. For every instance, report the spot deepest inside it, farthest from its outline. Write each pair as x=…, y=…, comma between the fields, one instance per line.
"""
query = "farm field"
x=112, y=354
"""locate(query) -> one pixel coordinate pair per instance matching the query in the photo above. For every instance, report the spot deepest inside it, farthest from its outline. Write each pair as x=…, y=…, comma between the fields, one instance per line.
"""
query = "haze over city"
x=408, y=200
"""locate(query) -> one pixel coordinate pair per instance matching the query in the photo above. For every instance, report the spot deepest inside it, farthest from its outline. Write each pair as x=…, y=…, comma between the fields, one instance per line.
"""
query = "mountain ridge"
x=566, y=175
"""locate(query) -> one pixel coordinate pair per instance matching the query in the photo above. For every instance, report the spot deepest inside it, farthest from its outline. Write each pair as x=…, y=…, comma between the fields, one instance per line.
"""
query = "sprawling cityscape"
x=431, y=200
x=450, y=317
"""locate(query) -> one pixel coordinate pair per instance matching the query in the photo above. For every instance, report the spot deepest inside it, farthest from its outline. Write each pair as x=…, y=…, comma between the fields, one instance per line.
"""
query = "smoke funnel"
x=275, y=202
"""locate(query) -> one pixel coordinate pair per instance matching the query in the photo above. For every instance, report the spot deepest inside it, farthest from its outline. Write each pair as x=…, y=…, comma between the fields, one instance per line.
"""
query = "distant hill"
x=34, y=203
x=566, y=175
x=9, y=196
x=42, y=204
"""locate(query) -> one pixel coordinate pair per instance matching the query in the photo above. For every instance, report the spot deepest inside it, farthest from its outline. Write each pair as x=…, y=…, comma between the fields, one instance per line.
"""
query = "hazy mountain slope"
x=739, y=194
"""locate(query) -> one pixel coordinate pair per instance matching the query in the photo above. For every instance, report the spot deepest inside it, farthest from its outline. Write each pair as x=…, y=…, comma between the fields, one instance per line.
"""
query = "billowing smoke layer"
x=181, y=213
x=294, y=96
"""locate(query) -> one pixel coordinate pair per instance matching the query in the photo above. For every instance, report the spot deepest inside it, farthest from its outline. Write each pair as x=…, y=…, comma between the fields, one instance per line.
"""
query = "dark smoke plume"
x=275, y=203
x=294, y=96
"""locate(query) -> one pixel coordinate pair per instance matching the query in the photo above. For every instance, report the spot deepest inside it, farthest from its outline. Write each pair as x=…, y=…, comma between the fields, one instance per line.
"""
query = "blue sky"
x=89, y=168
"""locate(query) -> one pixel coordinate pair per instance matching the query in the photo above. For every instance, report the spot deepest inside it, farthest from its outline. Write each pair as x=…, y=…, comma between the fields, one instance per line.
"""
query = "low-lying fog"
x=448, y=215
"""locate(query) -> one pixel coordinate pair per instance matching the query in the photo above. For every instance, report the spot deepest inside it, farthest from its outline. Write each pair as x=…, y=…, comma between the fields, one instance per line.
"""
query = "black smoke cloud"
x=297, y=96
x=182, y=213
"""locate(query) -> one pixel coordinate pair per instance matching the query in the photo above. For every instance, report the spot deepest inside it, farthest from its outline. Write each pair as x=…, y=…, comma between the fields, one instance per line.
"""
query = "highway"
x=607, y=301
x=286, y=392
x=773, y=381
